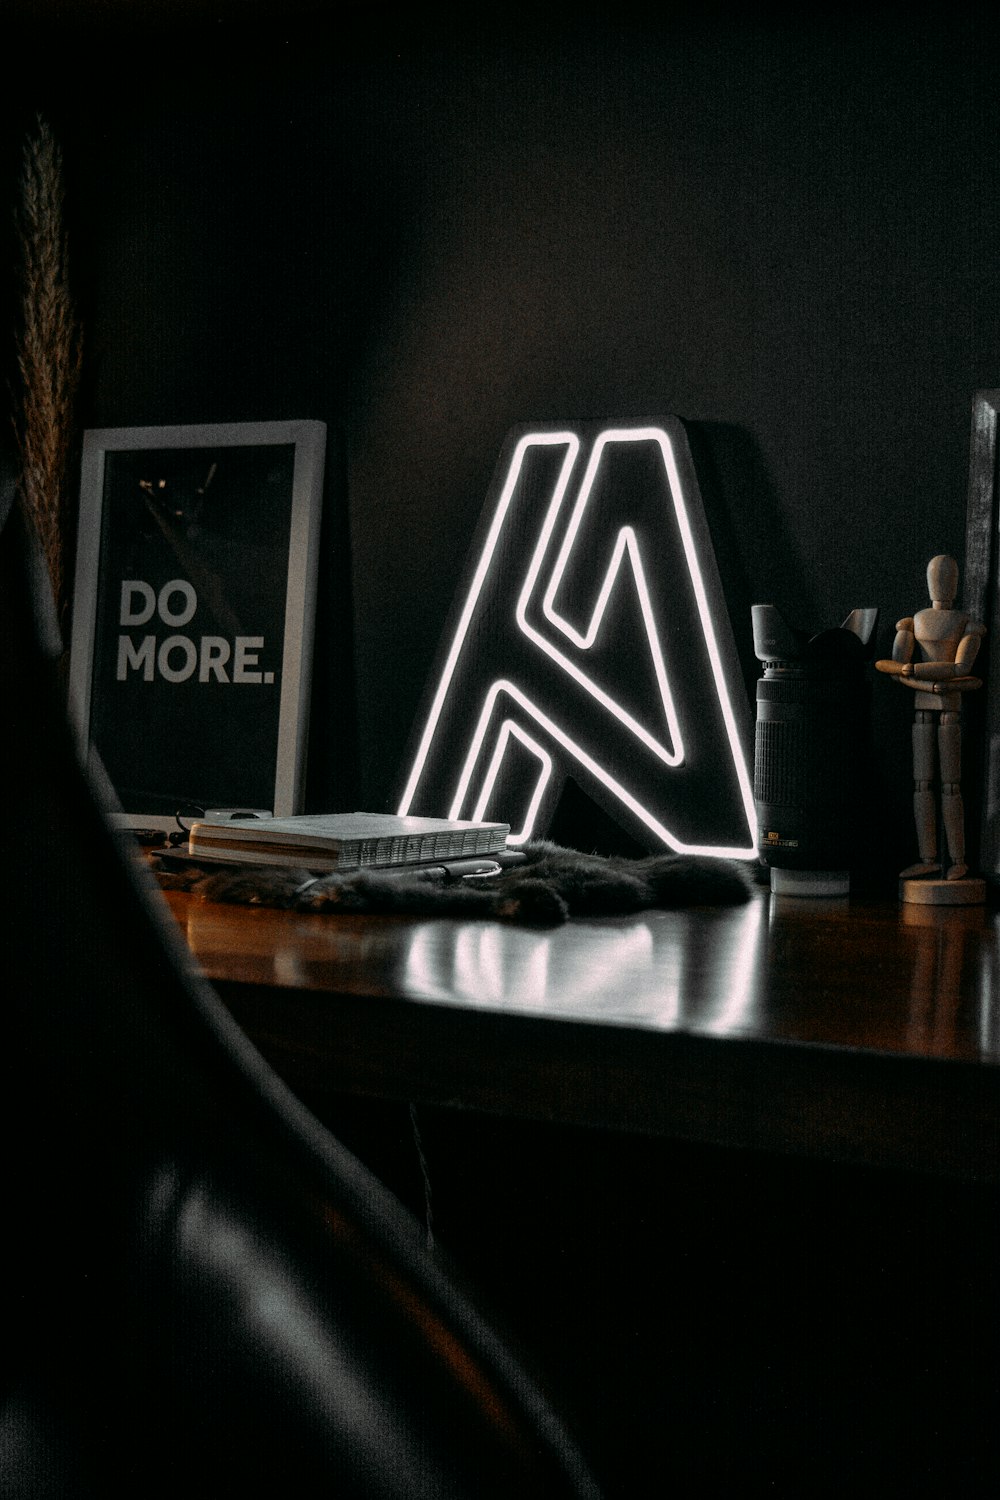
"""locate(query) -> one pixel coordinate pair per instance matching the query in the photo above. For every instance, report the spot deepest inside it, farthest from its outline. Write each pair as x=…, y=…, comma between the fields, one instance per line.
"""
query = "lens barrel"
x=811, y=737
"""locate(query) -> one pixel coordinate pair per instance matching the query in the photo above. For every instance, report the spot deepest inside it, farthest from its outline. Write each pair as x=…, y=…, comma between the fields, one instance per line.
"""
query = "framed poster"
x=193, y=614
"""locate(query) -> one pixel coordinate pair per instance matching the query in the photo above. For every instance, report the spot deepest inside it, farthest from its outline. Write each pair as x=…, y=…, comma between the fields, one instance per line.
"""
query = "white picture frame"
x=194, y=614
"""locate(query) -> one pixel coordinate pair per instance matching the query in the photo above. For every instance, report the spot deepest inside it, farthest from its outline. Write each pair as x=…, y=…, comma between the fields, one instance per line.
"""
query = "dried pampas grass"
x=48, y=352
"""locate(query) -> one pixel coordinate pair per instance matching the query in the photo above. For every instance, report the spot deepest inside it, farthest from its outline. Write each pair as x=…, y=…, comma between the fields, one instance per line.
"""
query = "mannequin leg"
x=952, y=810
x=924, y=806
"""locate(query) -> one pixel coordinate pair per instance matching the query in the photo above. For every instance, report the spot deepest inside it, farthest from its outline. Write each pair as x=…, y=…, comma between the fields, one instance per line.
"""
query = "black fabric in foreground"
x=551, y=885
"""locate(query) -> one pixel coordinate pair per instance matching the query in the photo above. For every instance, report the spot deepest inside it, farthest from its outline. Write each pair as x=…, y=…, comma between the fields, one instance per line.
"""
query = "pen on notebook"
x=460, y=869
x=456, y=869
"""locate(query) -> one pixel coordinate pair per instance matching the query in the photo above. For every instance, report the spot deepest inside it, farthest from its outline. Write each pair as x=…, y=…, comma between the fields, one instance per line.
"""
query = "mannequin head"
x=942, y=581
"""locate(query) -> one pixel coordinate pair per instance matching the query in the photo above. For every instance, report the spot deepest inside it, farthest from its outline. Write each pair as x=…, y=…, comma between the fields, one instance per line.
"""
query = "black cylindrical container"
x=812, y=725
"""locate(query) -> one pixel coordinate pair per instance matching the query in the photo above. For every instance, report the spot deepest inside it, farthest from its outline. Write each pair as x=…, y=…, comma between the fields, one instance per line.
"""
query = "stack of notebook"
x=345, y=841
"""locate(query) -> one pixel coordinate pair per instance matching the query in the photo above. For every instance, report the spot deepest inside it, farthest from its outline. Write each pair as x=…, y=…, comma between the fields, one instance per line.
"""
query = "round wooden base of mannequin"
x=969, y=891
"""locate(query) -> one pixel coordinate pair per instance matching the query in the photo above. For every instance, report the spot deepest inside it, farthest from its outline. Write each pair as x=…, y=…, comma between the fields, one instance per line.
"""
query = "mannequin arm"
x=930, y=676
x=934, y=671
x=968, y=646
x=942, y=686
x=905, y=642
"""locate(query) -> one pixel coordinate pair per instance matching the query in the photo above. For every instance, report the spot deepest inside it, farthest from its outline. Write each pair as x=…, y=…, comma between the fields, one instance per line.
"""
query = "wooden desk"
x=852, y=1031
x=710, y=1315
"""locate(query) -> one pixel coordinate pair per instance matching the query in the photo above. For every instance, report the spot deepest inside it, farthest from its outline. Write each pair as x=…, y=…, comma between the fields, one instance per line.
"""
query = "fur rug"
x=551, y=885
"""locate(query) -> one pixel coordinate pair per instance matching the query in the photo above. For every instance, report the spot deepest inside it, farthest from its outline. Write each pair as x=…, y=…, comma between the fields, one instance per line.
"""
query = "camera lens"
x=812, y=720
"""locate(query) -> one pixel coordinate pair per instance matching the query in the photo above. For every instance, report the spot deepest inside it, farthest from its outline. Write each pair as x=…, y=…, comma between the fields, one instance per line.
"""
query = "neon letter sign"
x=592, y=640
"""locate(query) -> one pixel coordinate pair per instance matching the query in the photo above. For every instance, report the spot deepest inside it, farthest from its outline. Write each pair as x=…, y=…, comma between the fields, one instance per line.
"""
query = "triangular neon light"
x=503, y=703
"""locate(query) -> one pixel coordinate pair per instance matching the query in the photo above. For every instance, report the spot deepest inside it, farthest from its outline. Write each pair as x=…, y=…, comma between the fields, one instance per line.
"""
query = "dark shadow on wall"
x=759, y=563
x=755, y=549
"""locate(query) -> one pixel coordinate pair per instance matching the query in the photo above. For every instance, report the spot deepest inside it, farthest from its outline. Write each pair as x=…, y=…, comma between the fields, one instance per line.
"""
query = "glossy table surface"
x=850, y=1029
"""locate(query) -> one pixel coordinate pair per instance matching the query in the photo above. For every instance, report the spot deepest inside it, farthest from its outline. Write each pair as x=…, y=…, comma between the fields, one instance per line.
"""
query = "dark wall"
x=423, y=230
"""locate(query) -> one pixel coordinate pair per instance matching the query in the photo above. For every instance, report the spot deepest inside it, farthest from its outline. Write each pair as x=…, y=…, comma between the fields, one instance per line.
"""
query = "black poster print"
x=190, y=624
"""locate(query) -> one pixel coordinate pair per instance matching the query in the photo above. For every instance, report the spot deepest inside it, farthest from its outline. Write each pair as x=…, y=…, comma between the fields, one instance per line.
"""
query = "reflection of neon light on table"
x=489, y=963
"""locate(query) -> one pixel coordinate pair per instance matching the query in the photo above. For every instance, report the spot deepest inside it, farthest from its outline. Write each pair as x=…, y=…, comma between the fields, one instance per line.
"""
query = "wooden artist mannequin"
x=932, y=655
